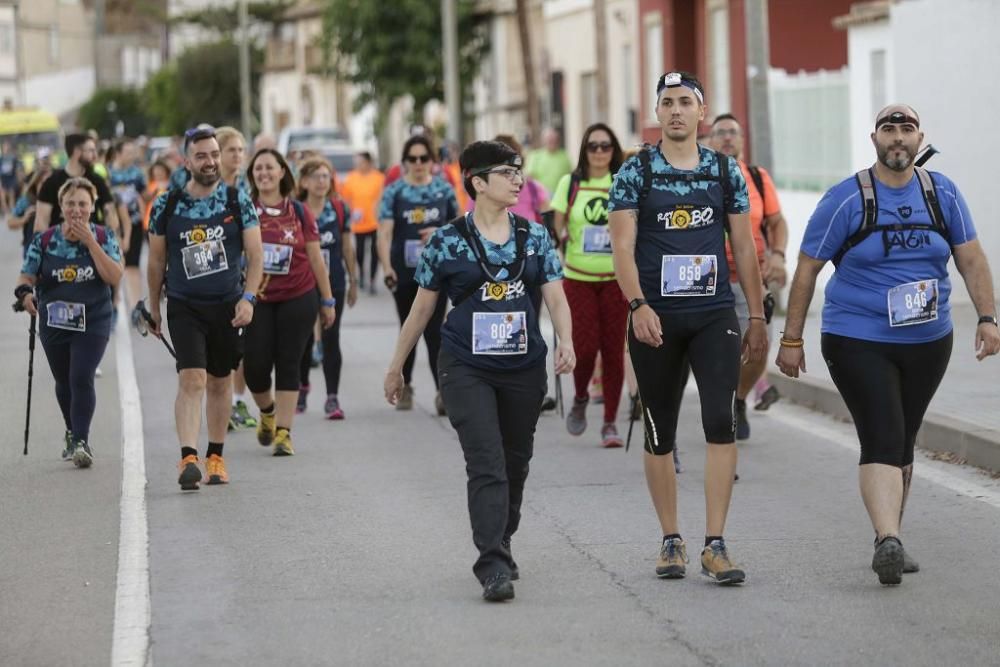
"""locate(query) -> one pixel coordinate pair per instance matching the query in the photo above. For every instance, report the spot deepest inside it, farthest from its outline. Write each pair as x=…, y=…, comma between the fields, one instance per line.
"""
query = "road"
x=357, y=551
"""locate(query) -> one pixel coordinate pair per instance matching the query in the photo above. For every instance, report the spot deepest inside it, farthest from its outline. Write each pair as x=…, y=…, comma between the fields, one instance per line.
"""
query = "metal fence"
x=810, y=128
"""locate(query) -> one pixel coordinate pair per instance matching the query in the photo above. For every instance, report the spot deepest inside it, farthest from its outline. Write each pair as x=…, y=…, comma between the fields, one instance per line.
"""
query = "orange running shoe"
x=190, y=476
x=215, y=468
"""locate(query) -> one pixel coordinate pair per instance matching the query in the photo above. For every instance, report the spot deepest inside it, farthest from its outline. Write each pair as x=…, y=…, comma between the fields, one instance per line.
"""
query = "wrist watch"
x=636, y=304
x=328, y=303
x=988, y=319
x=251, y=297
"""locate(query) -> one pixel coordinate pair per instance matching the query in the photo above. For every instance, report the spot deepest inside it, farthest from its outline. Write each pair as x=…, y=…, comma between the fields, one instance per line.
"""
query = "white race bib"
x=688, y=275
x=411, y=253
x=204, y=259
x=277, y=259
x=66, y=315
x=500, y=333
x=596, y=240
x=913, y=303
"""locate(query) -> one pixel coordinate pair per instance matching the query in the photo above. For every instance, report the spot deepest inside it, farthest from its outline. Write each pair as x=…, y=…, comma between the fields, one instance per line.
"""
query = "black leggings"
x=73, y=365
x=711, y=341
x=275, y=339
x=405, y=295
x=332, y=358
x=887, y=387
x=360, y=242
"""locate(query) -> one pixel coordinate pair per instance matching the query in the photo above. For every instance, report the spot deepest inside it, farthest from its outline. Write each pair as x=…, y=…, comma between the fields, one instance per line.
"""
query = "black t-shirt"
x=49, y=194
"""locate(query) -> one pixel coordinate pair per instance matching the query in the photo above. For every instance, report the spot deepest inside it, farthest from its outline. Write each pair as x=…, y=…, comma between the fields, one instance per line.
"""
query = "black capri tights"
x=405, y=295
x=711, y=341
x=73, y=365
x=275, y=339
x=333, y=358
x=887, y=387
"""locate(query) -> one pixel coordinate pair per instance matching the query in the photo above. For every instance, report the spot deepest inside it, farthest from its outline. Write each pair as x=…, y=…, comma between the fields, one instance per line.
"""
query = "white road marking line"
x=847, y=438
x=130, y=639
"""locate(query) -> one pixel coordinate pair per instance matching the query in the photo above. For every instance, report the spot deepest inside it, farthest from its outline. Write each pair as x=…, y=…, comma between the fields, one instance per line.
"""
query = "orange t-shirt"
x=362, y=193
x=760, y=208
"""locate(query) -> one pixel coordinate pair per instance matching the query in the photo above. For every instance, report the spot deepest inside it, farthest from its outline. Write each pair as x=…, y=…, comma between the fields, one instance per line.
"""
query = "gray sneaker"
x=888, y=561
x=576, y=420
x=405, y=401
x=82, y=456
x=67, y=452
x=909, y=565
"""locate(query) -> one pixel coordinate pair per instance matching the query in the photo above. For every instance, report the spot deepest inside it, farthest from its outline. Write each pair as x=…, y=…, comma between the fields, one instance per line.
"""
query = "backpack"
x=522, y=229
x=758, y=182
x=723, y=178
x=865, y=180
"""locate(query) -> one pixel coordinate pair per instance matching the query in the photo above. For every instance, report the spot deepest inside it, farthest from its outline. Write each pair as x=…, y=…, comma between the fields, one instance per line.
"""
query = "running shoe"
x=405, y=401
x=317, y=354
x=67, y=452
x=371, y=289
x=439, y=406
x=742, y=425
x=549, y=404
x=909, y=565
x=610, y=438
x=498, y=587
x=515, y=573
x=332, y=408
x=190, y=476
x=768, y=398
x=98, y=372
x=888, y=561
x=715, y=563
x=82, y=456
x=241, y=417
x=576, y=420
x=265, y=429
x=283, y=443
x=215, y=469
x=671, y=564
x=300, y=406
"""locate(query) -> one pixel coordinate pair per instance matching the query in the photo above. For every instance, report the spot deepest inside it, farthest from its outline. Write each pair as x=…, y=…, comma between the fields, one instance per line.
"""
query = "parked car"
x=310, y=138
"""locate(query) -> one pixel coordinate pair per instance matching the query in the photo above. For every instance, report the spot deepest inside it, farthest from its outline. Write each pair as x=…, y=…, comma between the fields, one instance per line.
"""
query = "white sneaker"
x=98, y=372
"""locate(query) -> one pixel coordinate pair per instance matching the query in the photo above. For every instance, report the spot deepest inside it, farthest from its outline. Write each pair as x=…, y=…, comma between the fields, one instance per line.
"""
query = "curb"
x=976, y=445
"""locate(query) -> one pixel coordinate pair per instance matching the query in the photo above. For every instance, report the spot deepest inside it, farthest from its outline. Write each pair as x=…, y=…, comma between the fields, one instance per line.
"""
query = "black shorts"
x=135, y=244
x=204, y=337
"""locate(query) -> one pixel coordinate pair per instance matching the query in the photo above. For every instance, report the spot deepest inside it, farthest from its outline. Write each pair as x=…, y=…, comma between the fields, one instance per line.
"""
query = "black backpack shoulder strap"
x=522, y=230
x=758, y=182
x=574, y=190
x=233, y=203
x=173, y=196
x=727, y=185
x=933, y=204
x=869, y=203
x=646, y=163
x=300, y=212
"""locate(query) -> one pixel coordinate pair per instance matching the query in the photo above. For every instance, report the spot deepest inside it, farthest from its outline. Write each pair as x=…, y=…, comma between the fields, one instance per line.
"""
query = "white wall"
x=62, y=91
x=862, y=40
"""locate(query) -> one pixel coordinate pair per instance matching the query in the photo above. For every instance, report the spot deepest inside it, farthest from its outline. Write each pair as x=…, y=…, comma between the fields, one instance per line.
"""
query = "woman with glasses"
x=496, y=268
x=412, y=208
x=599, y=309
x=337, y=247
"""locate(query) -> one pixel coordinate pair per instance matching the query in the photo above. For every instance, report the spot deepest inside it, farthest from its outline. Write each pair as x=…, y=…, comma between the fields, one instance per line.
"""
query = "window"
x=628, y=92
x=878, y=92
x=718, y=54
x=588, y=98
x=54, y=45
x=6, y=39
x=654, y=61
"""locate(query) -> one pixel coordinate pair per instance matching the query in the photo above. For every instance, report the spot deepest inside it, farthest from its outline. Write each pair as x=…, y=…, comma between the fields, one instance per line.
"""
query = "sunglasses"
x=422, y=159
x=599, y=146
x=196, y=134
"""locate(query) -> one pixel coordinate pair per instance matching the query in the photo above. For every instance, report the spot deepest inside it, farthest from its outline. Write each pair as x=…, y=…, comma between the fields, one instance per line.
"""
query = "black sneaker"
x=515, y=573
x=768, y=398
x=498, y=588
x=888, y=561
x=742, y=425
x=549, y=404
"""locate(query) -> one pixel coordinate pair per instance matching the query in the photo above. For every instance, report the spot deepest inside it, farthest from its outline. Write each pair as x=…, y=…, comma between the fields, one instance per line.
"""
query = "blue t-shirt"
x=58, y=246
x=858, y=295
x=202, y=209
x=331, y=231
x=413, y=208
x=434, y=191
x=128, y=185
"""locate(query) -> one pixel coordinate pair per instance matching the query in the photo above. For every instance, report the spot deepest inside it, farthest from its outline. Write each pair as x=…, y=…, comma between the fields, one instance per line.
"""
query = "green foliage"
x=225, y=20
x=394, y=49
x=159, y=98
x=109, y=105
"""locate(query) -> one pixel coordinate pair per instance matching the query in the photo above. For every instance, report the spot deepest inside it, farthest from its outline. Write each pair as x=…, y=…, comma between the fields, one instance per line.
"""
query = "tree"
x=225, y=20
x=108, y=106
x=160, y=101
x=389, y=50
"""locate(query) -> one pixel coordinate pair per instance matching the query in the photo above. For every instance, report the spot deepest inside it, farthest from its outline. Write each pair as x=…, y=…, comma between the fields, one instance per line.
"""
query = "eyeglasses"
x=422, y=159
x=599, y=146
x=510, y=173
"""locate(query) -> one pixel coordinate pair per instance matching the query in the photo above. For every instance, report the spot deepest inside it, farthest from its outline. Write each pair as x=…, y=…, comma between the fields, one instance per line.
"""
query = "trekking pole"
x=31, y=374
x=142, y=319
x=928, y=152
x=631, y=423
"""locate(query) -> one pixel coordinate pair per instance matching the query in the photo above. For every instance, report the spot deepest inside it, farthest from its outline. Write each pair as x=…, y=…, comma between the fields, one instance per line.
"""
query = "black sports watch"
x=988, y=319
x=636, y=304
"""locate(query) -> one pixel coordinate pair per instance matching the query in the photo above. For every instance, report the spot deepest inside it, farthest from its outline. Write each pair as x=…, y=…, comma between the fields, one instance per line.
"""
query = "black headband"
x=897, y=117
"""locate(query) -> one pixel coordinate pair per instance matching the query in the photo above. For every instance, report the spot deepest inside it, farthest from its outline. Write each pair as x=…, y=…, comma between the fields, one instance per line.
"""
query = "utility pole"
x=758, y=64
x=98, y=41
x=452, y=93
x=601, y=40
x=527, y=60
x=244, y=21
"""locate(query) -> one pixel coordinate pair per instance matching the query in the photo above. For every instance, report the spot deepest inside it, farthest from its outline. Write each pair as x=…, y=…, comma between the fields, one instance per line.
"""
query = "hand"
x=244, y=314
x=791, y=360
x=647, y=327
x=774, y=270
x=755, y=342
x=154, y=315
x=29, y=304
x=987, y=340
x=328, y=314
x=565, y=357
x=393, y=385
x=81, y=229
x=391, y=280
x=425, y=233
x=352, y=294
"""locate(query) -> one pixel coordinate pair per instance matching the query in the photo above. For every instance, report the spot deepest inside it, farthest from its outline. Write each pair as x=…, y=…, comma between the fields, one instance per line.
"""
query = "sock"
x=269, y=410
x=671, y=536
x=331, y=396
x=188, y=451
x=711, y=538
x=214, y=448
x=286, y=429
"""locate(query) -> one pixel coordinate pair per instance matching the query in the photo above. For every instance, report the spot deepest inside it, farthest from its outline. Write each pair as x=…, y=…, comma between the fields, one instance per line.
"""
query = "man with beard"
x=887, y=331
x=82, y=152
x=196, y=237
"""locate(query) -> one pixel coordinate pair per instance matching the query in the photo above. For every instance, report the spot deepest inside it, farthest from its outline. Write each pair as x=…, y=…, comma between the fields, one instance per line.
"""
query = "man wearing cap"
x=886, y=331
x=196, y=237
x=671, y=208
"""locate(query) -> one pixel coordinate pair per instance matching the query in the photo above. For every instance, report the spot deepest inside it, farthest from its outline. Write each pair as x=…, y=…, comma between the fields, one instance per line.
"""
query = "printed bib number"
x=688, y=275
x=913, y=303
x=411, y=253
x=499, y=333
x=596, y=240
x=204, y=259
x=68, y=316
x=277, y=259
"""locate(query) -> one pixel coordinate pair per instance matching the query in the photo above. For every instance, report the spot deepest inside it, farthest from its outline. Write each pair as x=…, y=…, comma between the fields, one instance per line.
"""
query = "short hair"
x=75, y=140
x=78, y=183
x=726, y=116
x=421, y=140
x=479, y=155
x=159, y=163
x=365, y=155
x=310, y=166
x=686, y=78
x=226, y=134
x=510, y=141
x=287, y=184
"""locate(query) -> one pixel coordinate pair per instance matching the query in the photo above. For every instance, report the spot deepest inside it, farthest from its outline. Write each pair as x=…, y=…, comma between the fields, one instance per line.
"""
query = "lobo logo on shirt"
x=202, y=234
x=421, y=215
x=505, y=291
x=327, y=239
x=686, y=216
x=74, y=274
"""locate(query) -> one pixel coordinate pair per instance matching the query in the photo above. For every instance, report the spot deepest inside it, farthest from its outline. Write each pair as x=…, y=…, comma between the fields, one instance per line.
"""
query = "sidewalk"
x=964, y=416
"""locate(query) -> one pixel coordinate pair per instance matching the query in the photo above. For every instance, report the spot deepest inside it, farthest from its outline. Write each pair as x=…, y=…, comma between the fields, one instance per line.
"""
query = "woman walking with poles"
x=71, y=268
x=287, y=301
